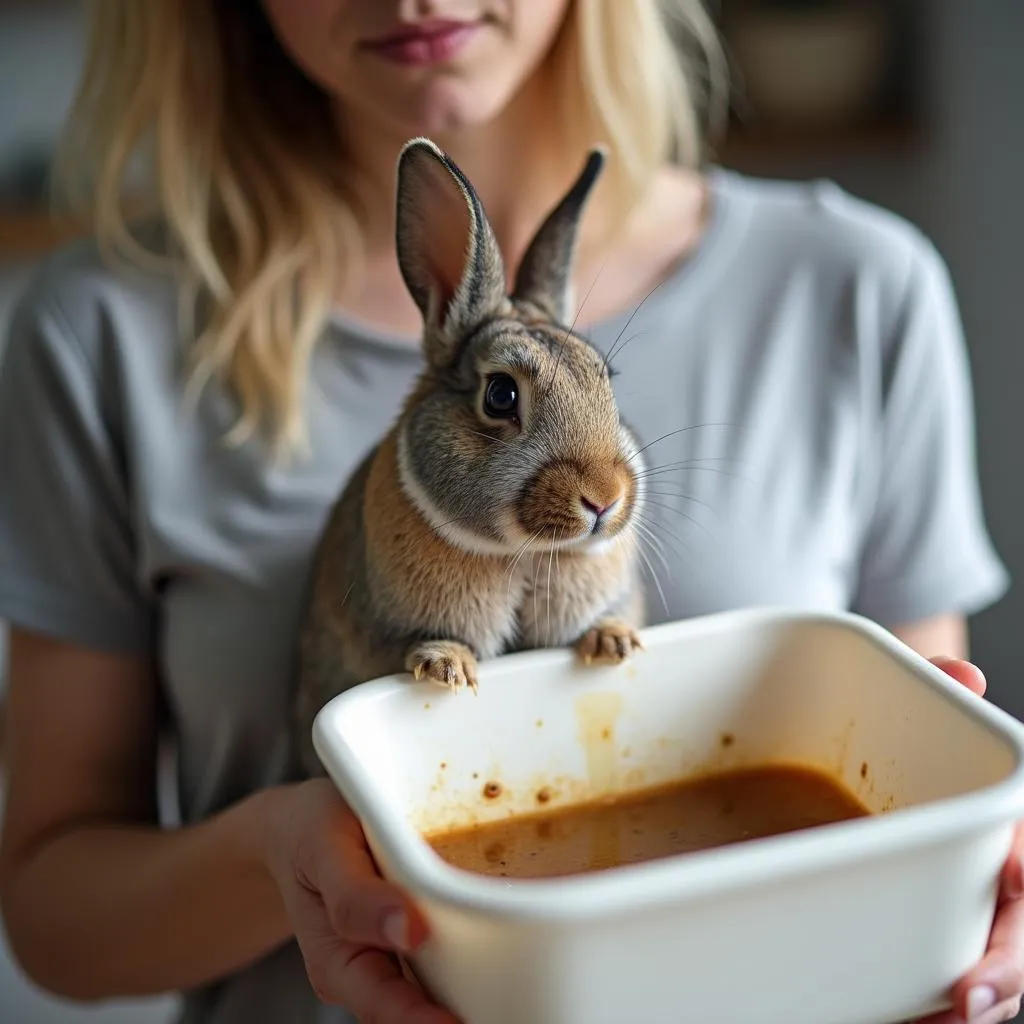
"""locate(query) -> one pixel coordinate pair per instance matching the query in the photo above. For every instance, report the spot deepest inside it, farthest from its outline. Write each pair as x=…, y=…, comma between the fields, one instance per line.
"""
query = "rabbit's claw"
x=444, y=662
x=610, y=640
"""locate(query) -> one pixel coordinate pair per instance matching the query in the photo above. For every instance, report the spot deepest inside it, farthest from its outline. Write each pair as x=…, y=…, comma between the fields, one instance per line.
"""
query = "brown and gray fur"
x=462, y=537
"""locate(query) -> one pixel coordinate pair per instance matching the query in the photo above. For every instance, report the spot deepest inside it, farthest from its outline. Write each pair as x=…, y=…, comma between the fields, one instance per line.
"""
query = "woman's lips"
x=425, y=42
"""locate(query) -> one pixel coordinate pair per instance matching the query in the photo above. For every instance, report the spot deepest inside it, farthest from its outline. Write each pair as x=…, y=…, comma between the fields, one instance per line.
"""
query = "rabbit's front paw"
x=610, y=640
x=444, y=662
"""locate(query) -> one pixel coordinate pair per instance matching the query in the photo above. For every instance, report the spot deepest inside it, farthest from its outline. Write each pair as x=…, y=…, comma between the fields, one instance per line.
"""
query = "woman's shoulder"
x=92, y=298
x=820, y=226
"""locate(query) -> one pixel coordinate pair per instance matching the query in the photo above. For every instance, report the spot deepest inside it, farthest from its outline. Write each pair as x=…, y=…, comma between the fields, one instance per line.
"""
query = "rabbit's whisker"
x=551, y=559
x=345, y=596
x=610, y=355
x=665, y=470
x=654, y=576
x=572, y=326
x=673, y=433
x=515, y=560
x=656, y=545
x=679, y=512
x=533, y=580
x=683, y=464
x=622, y=347
x=521, y=550
x=669, y=537
x=558, y=564
x=490, y=437
x=677, y=544
x=678, y=494
x=457, y=519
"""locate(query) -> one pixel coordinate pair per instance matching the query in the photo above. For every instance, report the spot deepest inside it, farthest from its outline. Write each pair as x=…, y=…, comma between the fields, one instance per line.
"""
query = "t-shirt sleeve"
x=67, y=549
x=926, y=547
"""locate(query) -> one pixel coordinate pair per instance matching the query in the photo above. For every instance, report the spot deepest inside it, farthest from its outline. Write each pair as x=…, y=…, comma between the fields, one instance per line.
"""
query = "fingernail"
x=979, y=999
x=396, y=929
x=1015, y=883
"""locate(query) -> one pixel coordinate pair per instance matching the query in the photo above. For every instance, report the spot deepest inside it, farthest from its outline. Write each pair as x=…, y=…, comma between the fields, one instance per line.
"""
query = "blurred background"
x=912, y=104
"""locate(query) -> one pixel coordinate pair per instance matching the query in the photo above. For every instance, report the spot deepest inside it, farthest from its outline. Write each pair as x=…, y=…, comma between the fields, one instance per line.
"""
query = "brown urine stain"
x=596, y=716
x=726, y=740
x=682, y=817
x=863, y=769
x=843, y=746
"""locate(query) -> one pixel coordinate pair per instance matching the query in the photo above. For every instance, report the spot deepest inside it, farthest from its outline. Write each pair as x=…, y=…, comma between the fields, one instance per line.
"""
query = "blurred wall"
x=40, y=58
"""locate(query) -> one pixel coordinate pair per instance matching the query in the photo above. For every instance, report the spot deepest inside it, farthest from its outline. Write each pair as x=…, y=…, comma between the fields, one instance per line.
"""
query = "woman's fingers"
x=377, y=992
x=320, y=948
x=366, y=981
x=1006, y=1010
x=991, y=992
x=999, y=978
x=348, y=920
x=362, y=908
x=1011, y=881
x=963, y=672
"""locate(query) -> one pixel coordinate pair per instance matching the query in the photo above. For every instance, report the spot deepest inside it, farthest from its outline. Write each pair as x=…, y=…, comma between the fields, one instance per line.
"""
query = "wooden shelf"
x=763, y=146
x=27, y=233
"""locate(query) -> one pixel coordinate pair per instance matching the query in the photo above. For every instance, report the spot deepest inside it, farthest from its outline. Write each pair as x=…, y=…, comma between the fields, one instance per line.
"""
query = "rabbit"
x=499, y=511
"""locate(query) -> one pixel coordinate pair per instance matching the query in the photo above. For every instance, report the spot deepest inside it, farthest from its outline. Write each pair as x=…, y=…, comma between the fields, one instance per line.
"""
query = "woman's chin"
x=444, y=107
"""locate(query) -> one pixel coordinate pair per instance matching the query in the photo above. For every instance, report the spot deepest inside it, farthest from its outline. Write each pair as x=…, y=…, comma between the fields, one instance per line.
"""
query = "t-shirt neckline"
x=683, y=276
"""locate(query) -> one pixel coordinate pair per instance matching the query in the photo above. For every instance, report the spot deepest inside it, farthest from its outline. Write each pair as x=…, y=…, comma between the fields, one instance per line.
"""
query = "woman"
x=173, y=429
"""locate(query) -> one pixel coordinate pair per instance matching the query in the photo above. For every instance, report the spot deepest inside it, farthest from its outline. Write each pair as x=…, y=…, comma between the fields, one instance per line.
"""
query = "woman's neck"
x=520, y=167
x=517, y=163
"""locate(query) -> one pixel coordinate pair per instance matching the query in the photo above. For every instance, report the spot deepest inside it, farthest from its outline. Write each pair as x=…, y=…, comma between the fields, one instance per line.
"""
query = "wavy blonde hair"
x=242, y=162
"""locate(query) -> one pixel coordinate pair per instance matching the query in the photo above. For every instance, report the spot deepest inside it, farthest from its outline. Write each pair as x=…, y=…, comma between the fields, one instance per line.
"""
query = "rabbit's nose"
x=598, y=510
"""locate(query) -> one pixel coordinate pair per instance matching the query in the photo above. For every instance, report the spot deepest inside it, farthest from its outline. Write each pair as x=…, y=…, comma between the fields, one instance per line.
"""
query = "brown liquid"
x=697, y=814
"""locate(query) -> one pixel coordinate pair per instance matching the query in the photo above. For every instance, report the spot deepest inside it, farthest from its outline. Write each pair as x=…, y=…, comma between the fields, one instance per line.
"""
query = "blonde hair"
x=244, y=164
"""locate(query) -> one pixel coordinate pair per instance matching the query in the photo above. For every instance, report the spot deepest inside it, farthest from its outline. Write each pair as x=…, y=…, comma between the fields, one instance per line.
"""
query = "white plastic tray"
x=863, y=922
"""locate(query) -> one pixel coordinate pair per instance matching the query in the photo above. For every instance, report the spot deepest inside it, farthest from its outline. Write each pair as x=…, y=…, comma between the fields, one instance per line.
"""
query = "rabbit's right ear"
x=447, y=252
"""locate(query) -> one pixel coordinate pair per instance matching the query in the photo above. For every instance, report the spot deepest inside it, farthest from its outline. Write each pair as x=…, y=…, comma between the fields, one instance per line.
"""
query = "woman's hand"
x=991, y=991
x=349, y=922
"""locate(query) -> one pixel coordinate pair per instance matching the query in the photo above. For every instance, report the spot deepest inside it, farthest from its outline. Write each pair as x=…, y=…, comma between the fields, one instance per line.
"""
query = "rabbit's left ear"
x=545, y=273
x=447, y=251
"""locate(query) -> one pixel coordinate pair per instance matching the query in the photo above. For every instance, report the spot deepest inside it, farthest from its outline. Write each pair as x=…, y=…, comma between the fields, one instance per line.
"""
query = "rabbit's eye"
x=501, y=399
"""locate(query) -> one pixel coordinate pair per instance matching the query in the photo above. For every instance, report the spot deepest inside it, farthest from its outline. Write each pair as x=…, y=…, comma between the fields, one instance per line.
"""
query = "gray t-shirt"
x=811, y=346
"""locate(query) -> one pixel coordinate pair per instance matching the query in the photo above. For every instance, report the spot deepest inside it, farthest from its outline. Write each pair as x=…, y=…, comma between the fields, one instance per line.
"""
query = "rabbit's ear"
x=545, y=273
x=447, y=252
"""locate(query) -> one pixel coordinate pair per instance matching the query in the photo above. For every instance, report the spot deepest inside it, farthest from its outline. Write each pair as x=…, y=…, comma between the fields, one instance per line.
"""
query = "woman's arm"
x=97, y=901
x=944, y=636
